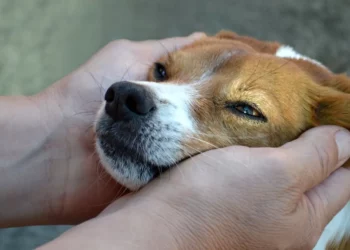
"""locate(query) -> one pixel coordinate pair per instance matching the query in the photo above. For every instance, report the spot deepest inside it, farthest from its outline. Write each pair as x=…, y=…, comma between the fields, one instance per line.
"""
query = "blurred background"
x=43, y=40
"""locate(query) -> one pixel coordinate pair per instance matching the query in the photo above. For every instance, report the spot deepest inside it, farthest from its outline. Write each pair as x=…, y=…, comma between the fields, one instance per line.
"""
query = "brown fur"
x=260, y=46
x=343, y=245
x=294, y=95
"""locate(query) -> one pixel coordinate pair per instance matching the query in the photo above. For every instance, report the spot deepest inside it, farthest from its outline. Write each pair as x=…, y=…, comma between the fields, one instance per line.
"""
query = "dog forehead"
x=225, y=43
x=210, y=53
x=212, y=57
x=202, y=61
x=214, y=52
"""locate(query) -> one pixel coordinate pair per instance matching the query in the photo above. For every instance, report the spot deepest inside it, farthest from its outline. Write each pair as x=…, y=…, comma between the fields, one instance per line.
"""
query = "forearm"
x=24, y=131
x=143, y=221
x=129, y=228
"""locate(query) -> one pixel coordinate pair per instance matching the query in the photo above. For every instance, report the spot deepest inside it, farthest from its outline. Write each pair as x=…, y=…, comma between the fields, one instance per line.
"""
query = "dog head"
x=220, y=91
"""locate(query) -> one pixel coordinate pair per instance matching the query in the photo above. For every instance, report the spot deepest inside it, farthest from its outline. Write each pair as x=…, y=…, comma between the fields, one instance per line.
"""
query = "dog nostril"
x=109, y=96
x=126, y=101
x=139, y=104
x=131, y=104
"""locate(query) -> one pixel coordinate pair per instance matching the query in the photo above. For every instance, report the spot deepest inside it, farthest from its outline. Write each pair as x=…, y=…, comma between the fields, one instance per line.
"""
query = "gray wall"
x=42, y=40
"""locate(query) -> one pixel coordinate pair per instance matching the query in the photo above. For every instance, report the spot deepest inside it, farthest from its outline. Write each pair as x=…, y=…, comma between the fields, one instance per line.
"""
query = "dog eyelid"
x=159, y=72
x=246, y=110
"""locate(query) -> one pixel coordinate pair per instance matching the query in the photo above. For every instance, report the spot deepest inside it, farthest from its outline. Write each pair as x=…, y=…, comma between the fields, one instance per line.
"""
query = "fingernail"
x=342, y=138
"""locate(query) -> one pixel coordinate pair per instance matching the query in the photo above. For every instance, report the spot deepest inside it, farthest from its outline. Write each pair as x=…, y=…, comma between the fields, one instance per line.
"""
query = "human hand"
x=234, y=198
x=76, y=187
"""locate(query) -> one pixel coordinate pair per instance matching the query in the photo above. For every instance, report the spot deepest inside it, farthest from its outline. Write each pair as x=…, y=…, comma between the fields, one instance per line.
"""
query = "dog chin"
x=127, y=170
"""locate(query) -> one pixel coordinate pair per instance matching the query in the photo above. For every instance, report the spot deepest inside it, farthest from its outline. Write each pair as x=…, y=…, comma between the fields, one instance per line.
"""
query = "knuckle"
x=199, y=33
x=276, y=163
x=276, y=158
x=325, y=158
x=121, y=43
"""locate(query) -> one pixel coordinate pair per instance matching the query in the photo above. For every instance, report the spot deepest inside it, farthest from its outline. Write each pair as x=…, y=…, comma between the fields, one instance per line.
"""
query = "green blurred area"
x=40, y=41
x=43, y=40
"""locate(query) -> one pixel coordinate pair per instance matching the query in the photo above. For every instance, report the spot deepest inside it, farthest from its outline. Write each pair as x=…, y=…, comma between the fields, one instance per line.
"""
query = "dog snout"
x=127, y=100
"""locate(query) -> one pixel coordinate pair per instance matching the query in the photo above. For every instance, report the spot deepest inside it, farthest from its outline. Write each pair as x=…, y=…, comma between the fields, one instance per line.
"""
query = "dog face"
x=220, y=91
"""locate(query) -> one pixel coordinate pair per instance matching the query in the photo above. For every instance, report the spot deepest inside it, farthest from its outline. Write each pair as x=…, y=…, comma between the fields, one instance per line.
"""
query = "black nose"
x=127, y=100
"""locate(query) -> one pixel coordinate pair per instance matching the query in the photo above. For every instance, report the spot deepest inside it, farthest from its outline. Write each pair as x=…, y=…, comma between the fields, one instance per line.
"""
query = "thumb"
x=317, y=154
x=317, y=159
x=182, y=41
x=329, y=197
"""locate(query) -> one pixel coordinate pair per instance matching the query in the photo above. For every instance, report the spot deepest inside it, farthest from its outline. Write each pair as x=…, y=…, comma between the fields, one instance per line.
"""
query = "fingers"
x=182, y=41
x=331, y=196
x=318, y=153
x=168, y=45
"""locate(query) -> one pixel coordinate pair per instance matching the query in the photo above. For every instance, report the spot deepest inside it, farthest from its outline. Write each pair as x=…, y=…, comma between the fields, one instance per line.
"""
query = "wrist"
x=148, y=224
x=128, y=227
x=181, y=220
x=24, y=129
x=187, y=209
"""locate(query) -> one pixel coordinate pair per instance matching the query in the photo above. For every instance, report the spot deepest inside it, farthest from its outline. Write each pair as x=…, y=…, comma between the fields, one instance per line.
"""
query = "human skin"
x=252, y=198
x=49, y=172
x=262, y=198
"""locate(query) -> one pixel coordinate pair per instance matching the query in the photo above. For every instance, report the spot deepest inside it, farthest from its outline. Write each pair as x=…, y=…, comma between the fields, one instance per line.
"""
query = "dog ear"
x=323, y=76
x=333, y=108
x=341, y=82
x=260, y=46
x=316, y=70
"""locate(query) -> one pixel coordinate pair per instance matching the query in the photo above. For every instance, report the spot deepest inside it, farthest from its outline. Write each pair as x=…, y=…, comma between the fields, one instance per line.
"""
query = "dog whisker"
x=195, y=138
x=126, y=72
x=193, y=159
x=269, y=72
x=204, y=154
x=168, y=54
x=100, y=85
x=84, y=113
x=232, y=137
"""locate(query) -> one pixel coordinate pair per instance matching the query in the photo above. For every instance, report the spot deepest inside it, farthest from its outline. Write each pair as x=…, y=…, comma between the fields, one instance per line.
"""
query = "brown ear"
x=333, y=109
x=324, y=76
x=260, y=46
x=341, y=82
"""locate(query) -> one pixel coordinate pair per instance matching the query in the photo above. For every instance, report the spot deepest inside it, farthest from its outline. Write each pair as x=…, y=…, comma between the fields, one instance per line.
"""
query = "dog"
x=220, y=91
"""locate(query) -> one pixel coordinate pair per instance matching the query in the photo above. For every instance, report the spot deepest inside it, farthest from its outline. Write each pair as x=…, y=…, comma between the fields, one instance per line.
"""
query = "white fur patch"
x=108, y=163
x=99, y=114
x=172, y=121
x=217, y=63
x=206, y=76
x=289, y=52
x=338, y=228
x=175, y=102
